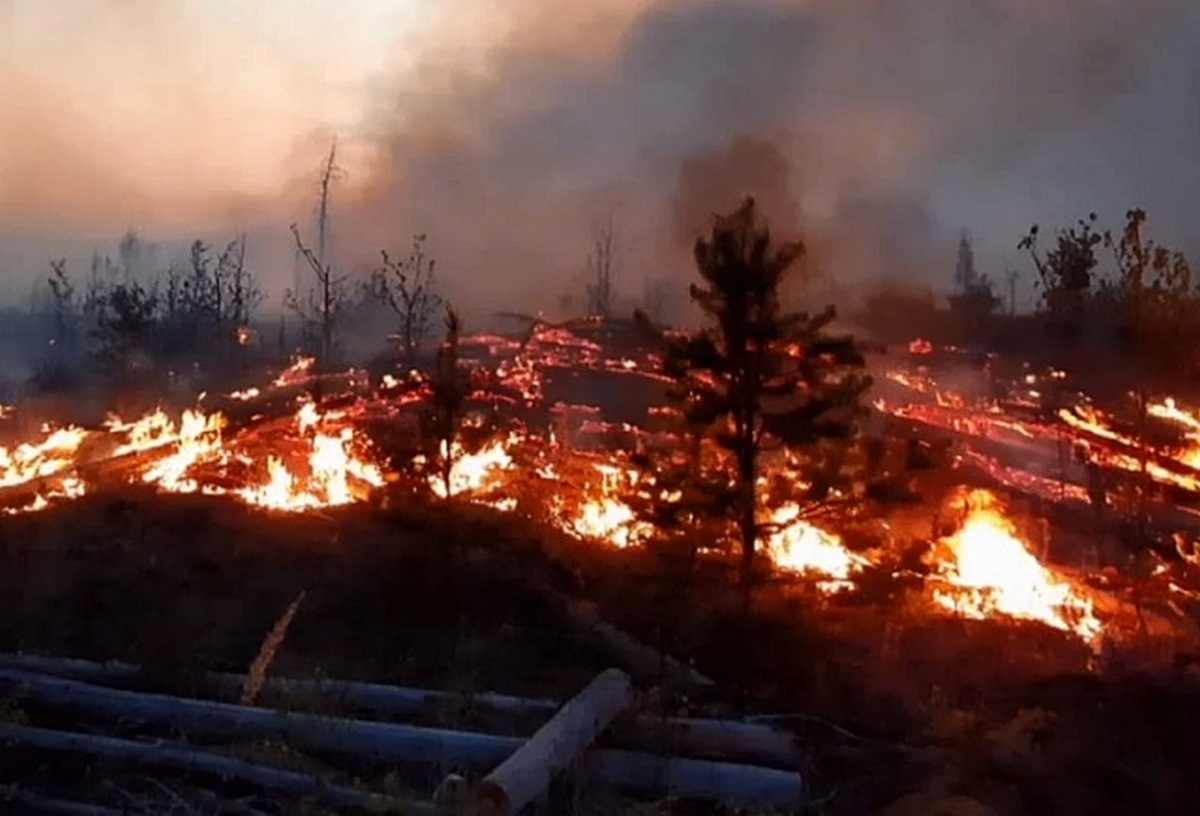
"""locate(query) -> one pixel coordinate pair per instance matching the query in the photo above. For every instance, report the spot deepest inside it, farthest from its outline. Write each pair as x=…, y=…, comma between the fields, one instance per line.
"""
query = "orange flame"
x=799, y=547
x=988, y=571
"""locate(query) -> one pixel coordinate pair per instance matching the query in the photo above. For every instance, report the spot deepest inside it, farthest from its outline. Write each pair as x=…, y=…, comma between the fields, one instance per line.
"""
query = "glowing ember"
x=69, y=487
x=245, y=395
x=799, y=547
x=990, y=572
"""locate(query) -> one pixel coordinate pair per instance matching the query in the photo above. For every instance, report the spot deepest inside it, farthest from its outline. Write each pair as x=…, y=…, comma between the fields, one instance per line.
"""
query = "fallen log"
x=164, y=754
x=729, y=740
x=634, y=771
x=528, y=771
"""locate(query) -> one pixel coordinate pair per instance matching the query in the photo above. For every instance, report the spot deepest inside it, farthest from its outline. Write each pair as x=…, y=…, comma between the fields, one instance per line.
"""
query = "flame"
x=473, y=472
x=799, y=547
x=37, y=460
x=989, y=571
x=333, y=470
x=297, y=372
x=604, y=516
x=198, y=439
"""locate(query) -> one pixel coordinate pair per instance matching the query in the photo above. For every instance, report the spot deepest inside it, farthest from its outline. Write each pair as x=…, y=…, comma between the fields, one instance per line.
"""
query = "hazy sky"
x=508, y=129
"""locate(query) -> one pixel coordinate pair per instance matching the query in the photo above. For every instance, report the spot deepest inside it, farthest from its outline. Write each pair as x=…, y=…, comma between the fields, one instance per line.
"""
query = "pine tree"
x=756, y=380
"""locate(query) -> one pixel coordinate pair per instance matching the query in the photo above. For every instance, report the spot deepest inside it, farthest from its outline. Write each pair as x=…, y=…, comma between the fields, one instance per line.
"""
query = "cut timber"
x=177, y=757
x=527, y=774
x=730, y=740
x=370, y=740
x=634, y=771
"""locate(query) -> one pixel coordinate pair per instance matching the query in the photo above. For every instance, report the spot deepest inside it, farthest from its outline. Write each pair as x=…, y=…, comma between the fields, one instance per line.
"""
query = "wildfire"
x=604, y=515
x=198, y=438
x=37, y=460
x=297, y=372
x=989, y=571
x=473, y=472
x=799, y=547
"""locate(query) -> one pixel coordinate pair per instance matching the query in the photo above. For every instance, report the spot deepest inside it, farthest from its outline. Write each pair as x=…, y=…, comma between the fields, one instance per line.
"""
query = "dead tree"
x=601, y=263
x=324, y=304
x=65, y=308
x=406, y=286
x=329, y=173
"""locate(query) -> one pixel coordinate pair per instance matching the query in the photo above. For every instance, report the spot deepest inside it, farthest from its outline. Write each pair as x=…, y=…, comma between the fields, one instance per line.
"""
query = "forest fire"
x=317, y=457
x=36, y=460
x=989, y=571
x=799, y=547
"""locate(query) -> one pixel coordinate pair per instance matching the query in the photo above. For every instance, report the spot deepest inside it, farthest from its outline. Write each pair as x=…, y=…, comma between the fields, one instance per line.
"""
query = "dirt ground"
x=901, y=711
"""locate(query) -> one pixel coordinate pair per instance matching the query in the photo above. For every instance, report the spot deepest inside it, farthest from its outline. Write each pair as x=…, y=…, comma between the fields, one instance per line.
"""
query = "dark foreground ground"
x=900, y=711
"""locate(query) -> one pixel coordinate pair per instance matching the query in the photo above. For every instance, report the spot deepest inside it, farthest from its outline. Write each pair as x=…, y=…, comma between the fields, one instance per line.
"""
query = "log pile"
x=104, y=714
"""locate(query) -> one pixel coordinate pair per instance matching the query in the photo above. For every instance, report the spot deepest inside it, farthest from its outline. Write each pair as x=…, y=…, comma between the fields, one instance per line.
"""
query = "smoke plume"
x=509, y=131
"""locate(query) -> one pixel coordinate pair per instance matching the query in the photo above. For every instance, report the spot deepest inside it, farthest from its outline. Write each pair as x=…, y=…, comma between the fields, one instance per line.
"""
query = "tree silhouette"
x=1066, y=273
x=406, y=286
x=974, y=295
x=757, y=379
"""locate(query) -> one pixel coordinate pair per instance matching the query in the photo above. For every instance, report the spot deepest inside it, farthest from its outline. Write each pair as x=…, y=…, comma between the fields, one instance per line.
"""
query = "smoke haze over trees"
x=879, y=129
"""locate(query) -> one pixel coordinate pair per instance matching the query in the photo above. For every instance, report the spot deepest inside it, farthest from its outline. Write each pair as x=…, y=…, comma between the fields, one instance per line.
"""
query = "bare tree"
x=320, y=310
x=406, y=286
x=324, y=304
x=242, y=294
x=601, y=264
x=329, y=173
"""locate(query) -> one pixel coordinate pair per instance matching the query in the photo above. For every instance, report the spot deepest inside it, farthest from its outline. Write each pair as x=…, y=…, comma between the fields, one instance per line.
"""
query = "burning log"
x=729, y=740
x=388, y=742
x=177, y=757
x=528, y=772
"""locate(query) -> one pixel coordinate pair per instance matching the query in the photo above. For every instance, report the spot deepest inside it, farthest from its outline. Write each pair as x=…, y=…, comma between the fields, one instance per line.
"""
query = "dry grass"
x=266, y=653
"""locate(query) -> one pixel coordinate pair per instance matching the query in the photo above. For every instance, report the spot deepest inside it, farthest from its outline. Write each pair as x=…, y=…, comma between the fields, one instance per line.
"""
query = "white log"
x=526, y=775
x=629, y=770
x=171, y=755
x=698, y=738
x=386, y=742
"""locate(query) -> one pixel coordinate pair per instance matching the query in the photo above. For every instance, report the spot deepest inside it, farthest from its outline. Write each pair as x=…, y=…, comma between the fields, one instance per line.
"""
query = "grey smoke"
x=877, y=128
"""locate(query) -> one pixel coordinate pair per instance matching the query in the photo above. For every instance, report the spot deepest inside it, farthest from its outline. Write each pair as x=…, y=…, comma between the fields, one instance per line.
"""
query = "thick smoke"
x=876, y=128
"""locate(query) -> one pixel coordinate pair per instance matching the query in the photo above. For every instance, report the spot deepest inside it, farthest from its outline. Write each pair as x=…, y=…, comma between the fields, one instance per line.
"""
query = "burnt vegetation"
x=764, y=427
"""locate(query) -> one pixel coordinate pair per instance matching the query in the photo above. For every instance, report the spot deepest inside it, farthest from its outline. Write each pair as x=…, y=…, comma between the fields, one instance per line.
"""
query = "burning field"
x=1007, y=521
x=530, y=451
